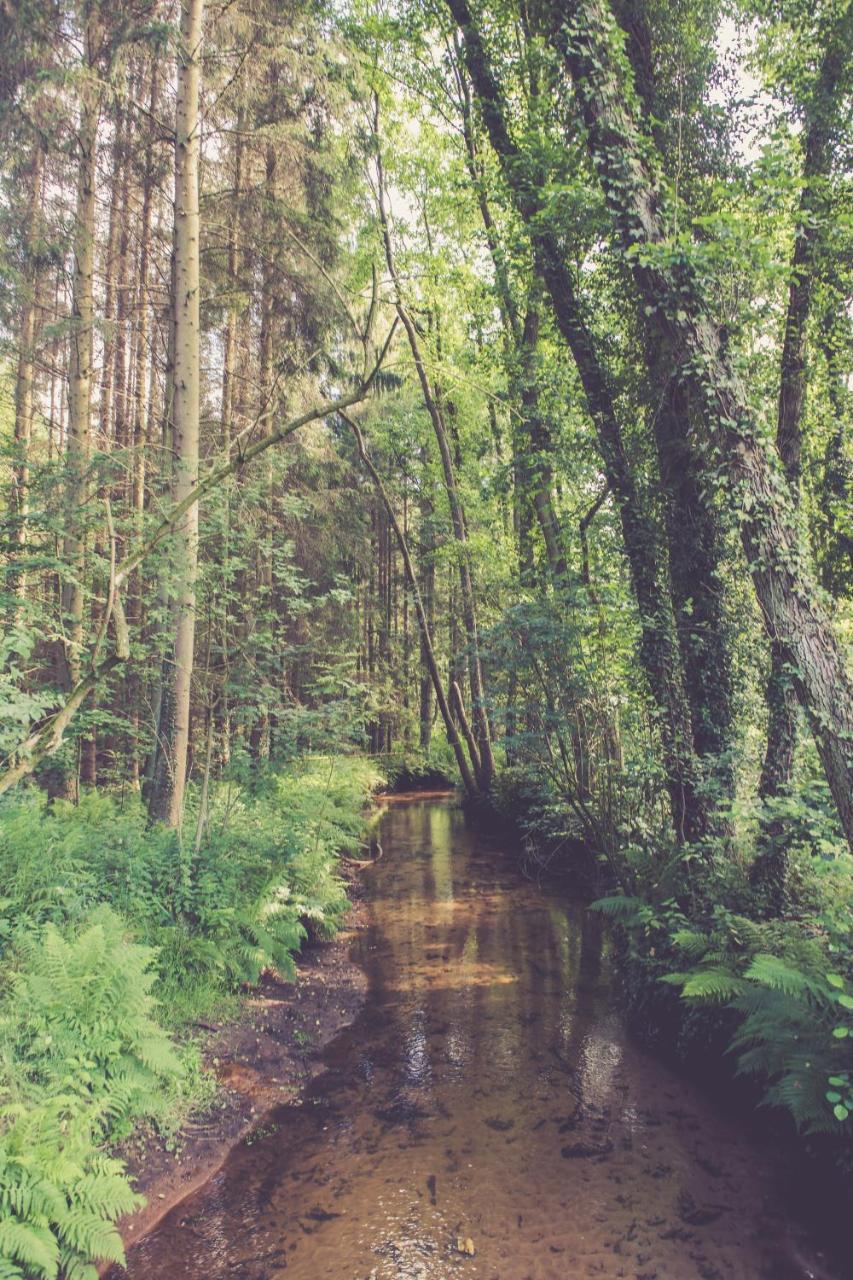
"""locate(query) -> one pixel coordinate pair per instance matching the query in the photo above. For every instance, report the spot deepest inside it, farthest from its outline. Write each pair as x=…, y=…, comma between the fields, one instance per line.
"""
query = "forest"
x=416, y=393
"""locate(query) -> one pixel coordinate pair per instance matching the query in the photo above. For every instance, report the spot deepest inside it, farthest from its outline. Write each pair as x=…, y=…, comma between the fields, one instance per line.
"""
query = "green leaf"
x=840, y=1112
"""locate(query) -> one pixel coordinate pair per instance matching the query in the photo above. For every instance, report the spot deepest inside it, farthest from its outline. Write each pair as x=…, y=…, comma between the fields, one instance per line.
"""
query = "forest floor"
x=262, y=1058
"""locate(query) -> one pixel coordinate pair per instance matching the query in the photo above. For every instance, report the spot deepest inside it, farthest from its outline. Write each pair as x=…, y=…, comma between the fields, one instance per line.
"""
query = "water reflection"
x=486, y=1093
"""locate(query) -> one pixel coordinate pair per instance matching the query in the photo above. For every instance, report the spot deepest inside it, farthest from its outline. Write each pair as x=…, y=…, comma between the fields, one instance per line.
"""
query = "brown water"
x=489, y=1098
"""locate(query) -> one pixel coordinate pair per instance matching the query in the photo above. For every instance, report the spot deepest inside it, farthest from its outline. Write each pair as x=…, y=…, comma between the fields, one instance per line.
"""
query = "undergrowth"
x=114, y=939
x=711, y=973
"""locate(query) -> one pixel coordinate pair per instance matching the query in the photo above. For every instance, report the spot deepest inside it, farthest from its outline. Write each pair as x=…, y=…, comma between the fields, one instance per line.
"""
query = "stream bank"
x=265, y=1056
x=486, y=1113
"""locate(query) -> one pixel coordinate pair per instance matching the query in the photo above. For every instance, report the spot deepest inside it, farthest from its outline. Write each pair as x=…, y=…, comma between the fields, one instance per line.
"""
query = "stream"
x=486, y=1116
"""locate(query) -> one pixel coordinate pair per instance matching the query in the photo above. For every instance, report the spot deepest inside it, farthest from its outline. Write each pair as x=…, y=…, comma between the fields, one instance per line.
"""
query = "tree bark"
x=167, y=795
x=427, y=589
x=19, y=506
x=536, y=444
x=694, y=538
x=728, y=436
x=695, y=554
x=781, y=692
x=659, y=653
x=80, y=391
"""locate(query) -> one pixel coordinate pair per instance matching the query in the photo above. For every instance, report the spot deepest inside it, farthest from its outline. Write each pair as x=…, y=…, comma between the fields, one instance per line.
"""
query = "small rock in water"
x=585, y=1150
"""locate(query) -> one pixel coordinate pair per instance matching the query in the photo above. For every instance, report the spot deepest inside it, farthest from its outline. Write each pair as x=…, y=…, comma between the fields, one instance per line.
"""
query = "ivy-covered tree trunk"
x=695, y=541
x=781, y=691
x=534, y=443
x=836, y=558
x=644, y=549
x=695, y=553
x=727, y=433
x=770, y=867
x=167, y=794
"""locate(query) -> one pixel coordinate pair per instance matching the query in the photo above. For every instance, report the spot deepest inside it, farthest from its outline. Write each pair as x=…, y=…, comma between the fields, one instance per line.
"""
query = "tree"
x=169, y=785
x=670, y=285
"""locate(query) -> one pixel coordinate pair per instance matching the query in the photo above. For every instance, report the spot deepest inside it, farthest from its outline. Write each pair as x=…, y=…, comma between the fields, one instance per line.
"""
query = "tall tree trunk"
x=729, y=437
x=457, y=515
x=533, y=477
x=770, y=868
x=167, y=795
x=536, y=444
x=116, y=219
x=427, y=589
x=142, y=406
x=78, y=436
x=465, y=771
x=837, y=539
x=229, y=360
x=260, y=738
x=222, y=710
x=19, y=506
x=659, y=653
x=695, y=553
x=781, y=690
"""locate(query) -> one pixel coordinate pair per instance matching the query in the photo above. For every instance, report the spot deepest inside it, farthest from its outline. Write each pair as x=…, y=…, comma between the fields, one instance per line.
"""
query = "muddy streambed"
x=486, y=1115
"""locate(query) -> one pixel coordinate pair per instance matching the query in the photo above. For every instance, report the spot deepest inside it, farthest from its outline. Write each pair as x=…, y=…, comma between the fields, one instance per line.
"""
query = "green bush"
x=110, y=931
x=83, y=1060
x=779, y=990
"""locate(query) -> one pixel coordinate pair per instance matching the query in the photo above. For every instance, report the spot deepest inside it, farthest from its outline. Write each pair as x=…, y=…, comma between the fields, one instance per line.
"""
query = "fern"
x=772, y=972
x=630, y=912
x=110, y=921
x=693, y=944
x=716, y=985
x=31, y=1245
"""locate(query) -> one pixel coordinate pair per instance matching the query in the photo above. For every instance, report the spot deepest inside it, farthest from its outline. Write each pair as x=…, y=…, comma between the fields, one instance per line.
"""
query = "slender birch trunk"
x=25, y=388
x=78, y=436
x=167, y=796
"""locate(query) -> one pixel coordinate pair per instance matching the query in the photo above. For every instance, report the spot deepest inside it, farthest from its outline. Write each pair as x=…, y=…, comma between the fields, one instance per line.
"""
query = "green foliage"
x=111, y=930
x=785, y=1012
x=217, y=915
x=83, y=1060
x=410, y=770
x=78, y=1019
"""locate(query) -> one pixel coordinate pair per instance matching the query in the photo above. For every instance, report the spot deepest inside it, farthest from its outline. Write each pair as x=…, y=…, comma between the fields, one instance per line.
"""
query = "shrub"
x=110, y=929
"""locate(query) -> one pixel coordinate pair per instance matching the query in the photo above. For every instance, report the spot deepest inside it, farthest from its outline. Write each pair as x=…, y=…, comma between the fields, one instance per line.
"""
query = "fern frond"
x=718, y=985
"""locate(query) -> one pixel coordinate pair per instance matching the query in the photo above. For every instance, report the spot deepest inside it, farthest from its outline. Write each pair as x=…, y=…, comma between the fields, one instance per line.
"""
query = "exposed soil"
x=262, y=1059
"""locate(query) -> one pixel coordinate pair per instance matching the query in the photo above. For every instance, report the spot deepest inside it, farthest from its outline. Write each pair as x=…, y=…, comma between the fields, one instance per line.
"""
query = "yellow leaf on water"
x=465, y=1245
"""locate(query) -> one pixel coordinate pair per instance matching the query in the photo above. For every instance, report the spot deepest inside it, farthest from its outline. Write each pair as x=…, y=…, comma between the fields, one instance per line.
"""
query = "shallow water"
x=487, y=1097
